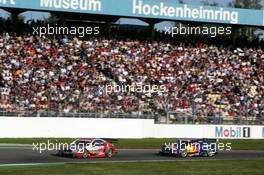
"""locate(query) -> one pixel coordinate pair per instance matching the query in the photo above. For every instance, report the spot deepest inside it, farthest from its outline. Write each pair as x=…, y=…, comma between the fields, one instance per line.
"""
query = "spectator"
x=56, y=74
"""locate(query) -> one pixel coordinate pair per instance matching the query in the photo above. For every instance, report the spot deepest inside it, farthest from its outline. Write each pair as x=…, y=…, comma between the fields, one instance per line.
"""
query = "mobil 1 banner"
x=232, y=132
x=238, y=132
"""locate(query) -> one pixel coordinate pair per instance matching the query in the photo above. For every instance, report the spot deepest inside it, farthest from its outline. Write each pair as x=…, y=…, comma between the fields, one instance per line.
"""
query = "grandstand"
x=61, y=76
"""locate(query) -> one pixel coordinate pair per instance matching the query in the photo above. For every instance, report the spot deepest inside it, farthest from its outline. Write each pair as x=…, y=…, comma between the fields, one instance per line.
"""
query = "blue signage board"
x=156, y=9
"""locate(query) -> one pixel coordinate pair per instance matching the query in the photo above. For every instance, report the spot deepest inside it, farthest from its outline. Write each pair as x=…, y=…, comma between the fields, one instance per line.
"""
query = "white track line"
x=31, y=164
x=117, y=161
x=93, y=162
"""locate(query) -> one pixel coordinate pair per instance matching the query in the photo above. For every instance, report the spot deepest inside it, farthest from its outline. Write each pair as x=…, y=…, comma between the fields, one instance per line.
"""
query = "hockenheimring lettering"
x=184, y=12
x=90, y=5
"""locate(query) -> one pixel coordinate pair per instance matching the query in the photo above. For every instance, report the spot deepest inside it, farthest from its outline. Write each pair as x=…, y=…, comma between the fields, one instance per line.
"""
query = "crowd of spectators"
x=65, y=74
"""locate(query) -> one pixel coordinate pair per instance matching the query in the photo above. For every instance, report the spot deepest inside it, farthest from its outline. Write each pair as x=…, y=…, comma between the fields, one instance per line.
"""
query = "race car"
x=190, y=148
x=88, y=148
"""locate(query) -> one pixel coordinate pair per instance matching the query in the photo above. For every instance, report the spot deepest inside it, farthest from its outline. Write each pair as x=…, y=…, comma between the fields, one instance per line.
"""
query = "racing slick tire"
x=109, y=153
x=210, y=153
x=184, y=153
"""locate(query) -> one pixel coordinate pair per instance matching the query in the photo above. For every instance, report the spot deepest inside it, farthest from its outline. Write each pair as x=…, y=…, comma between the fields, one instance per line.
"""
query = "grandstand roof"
x=161, y=10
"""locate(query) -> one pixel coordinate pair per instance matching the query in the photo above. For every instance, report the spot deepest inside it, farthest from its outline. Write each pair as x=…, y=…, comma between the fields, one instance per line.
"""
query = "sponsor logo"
x=12, y=2
x=232, y=132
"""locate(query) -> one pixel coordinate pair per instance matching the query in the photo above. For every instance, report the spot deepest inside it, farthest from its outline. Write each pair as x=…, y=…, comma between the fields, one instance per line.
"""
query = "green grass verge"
x=242, y=167
x=246, y=144
x=142, y=143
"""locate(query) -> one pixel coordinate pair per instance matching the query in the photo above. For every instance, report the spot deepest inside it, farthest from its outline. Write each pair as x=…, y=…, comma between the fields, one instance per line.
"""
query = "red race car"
x=88, y=148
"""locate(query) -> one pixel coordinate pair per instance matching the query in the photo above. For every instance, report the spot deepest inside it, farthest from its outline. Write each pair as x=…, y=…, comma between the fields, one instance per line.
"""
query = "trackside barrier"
x=19, y=127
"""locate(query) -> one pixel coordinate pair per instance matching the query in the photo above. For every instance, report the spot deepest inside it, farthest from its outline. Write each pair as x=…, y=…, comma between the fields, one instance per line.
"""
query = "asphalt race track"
x=9, y=155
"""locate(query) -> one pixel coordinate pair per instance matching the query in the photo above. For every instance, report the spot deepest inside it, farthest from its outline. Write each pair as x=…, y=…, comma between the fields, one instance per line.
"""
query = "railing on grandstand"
x=170, y=118
x=71, y=114
x=183, y=118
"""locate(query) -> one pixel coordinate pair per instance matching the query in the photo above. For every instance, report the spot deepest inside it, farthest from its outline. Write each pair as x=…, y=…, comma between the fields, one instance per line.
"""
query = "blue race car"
x=189, y=148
